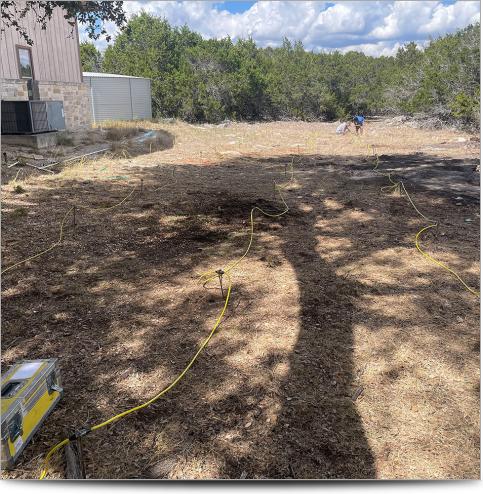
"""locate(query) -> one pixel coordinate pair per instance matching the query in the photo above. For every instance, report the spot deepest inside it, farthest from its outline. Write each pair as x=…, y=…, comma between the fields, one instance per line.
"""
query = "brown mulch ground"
x=344, y=354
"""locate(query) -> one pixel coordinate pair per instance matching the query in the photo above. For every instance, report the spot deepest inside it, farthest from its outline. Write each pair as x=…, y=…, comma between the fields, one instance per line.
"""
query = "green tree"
x=208, y=80
x=91, y=58
x=92, y=15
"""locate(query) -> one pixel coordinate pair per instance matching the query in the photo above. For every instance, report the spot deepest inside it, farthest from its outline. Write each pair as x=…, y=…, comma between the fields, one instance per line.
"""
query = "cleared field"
x=344, y=352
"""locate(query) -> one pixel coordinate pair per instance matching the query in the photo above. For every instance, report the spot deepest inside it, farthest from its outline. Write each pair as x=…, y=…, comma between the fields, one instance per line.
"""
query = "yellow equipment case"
x=30, y=391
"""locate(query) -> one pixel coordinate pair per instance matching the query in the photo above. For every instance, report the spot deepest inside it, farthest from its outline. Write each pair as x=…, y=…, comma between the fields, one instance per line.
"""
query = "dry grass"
x=65, y=139
x=332, y=298
x=117, y=130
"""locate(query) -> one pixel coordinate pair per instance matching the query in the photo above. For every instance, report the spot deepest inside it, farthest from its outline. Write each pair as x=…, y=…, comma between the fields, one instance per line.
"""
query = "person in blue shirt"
x=358, y=122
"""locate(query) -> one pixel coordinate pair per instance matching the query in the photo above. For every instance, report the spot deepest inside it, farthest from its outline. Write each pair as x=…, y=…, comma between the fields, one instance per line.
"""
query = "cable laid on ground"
x=59, y=241
x=61, y=230
x=230, y=267
x=66, y=441
x=108, y=208
x=439, y=263
x=210, y=275
x=433, y=224
x=414, y=205
x=52, y=247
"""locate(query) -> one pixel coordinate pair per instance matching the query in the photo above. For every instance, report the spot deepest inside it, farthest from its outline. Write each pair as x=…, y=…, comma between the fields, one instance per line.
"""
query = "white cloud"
x=373, y=27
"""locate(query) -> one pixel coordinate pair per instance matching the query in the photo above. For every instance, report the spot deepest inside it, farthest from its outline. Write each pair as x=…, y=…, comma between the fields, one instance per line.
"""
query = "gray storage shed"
x=119, y=97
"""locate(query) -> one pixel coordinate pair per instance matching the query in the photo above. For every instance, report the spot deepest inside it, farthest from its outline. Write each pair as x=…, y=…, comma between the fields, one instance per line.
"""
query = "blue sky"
x=234, y=7
x=373, y=27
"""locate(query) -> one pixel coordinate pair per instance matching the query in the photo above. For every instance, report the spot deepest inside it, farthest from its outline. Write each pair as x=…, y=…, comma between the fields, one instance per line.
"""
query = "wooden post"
x=74, y=464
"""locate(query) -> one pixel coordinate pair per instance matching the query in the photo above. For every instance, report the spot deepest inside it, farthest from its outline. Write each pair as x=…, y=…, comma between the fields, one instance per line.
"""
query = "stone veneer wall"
x=13, y=89
x=76, y=98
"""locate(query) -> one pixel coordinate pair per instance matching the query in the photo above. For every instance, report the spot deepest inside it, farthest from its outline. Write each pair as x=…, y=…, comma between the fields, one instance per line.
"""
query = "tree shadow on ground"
x=274, y=394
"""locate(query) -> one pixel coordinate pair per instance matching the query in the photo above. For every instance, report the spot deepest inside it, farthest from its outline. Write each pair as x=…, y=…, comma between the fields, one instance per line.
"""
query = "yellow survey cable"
x=226, y=271
x=434, y=224
x=66, y=441
x=61, y=230
x=376, y=156
x=108, y=208
x=375, y=169
x=439, y=263
x=210, y=275
x=52, y=247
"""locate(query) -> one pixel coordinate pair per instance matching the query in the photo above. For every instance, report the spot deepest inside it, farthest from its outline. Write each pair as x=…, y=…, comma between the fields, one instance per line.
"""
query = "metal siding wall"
x=119, y=98
x=111, y=98
x=141, y=99
x=55, y=53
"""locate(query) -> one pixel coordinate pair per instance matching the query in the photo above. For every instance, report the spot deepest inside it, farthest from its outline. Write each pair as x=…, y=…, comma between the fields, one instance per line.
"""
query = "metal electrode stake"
x=285, y=169
x=220, y=274
x=73, y=210
x=142, y=185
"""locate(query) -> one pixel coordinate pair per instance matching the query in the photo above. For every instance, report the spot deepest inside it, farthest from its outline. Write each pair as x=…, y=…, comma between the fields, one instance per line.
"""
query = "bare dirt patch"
x=344, y=354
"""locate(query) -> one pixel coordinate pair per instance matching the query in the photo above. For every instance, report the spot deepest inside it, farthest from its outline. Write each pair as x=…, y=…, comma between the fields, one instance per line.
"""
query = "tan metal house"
x=48, y=70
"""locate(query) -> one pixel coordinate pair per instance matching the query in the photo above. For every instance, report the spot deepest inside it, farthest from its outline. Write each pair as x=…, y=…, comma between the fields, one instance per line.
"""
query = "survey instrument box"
x=30, y=391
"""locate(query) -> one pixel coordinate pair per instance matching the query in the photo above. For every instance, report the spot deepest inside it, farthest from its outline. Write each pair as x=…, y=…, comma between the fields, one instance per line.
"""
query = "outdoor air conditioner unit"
x=32, y=117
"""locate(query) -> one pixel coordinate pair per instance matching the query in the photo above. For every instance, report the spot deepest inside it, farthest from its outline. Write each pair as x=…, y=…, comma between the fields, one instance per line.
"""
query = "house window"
x=25, y=68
